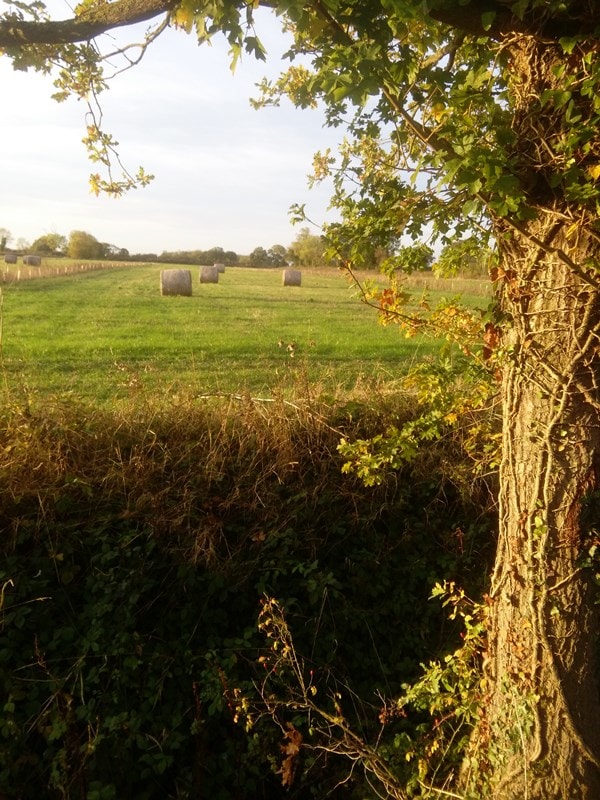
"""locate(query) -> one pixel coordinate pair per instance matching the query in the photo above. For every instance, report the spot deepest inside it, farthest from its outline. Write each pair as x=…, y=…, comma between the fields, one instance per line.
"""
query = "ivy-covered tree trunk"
x=540, y=726
x=541, y=723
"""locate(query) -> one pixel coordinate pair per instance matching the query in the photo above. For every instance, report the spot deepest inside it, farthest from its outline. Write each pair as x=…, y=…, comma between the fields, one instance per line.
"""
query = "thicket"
x=138, y=549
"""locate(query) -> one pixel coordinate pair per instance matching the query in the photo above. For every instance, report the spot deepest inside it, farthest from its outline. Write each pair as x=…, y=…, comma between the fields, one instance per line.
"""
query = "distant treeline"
x=460, y=257
x=216, y=255
x=276, y=256
x=307, y=250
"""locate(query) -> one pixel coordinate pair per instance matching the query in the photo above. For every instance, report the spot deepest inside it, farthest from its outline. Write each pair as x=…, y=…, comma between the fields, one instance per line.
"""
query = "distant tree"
x=109, y=250
x=308, y=250
x=216, y=255
x=359, y=242
x=50, y=243
x=41, y=245
x=412, y=258
x=230, y=258
x=21, y=244
x=84, y=245
x=378, y=255
x=278, y=255
x=179, y=257
x=465, y=257
x=112, y=251
x=259, y=258
x=275, y=256
x=5, y=237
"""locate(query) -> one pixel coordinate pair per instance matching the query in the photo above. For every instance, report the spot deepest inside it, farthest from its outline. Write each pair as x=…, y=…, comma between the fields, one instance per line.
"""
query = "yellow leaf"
x=95, y=184
x=594, y=171
x=438, y=110
x=183, y=18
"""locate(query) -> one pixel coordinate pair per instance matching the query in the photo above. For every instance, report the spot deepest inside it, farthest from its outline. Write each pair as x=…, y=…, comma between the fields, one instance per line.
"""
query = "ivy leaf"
x=567, y=44
x=487, y=19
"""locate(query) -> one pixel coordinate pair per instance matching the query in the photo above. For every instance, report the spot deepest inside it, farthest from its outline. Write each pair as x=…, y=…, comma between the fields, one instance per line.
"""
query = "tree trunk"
x=540, y=727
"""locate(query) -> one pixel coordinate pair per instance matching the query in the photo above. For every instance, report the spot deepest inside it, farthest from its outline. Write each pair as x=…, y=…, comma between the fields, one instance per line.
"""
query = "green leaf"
x=519, y=8
x=567, y=44
x=472, y=206
x=235, y=52
x=487, y=19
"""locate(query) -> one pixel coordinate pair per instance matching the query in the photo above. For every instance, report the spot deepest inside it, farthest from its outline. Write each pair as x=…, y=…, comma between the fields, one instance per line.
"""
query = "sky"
x=225, y=173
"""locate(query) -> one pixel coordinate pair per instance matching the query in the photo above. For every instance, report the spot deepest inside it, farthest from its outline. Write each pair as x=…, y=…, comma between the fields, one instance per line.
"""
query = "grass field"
x=108, y=334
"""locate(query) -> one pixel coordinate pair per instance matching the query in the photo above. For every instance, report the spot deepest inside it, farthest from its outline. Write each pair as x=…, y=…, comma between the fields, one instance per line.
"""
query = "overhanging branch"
x=18, y=33
x=495, y=19
x=492, y=18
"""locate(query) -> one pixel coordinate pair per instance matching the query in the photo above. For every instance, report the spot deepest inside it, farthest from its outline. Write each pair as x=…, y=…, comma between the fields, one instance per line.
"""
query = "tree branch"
x=15, y=32
x=469, y=18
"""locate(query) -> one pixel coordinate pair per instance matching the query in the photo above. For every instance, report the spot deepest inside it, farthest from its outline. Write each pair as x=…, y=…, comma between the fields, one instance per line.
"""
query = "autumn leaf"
x=594, y=171
x=291, y=751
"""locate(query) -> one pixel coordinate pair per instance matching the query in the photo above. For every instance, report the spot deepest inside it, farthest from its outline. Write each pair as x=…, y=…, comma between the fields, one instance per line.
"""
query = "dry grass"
x=191, y=470
x=474, y=287
x=13, y=272
x=198, y=471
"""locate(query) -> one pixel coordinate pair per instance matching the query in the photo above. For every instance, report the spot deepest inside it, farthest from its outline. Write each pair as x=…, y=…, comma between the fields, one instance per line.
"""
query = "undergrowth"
x=137, y=548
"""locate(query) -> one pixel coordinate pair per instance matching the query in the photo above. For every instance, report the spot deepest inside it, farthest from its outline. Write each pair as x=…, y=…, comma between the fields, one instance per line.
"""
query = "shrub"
x=137, y=550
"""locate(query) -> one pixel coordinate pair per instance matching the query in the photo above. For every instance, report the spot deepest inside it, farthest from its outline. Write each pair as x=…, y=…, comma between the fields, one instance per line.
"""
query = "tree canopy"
x=308, y=249
x=50, y=243
x=83, y=245
x=463, y=119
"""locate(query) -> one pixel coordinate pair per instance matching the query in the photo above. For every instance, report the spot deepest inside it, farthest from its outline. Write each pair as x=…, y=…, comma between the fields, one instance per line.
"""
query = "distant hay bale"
x=220, y=267
x=176, y=282
x=10, y=258
x=209, y=274
x=32, y=261
x=292, y=277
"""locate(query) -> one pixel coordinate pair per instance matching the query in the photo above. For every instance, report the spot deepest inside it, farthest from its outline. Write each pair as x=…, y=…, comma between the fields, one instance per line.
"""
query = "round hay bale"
x=220, y=267
x=32, y=261
x=292, y=277
x=10, y=258
x=209, y=274
x=176, y=282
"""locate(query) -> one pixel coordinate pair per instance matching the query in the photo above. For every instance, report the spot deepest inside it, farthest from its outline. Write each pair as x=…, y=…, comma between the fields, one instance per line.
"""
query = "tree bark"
x=539, y=733
x=540, y=729
x=15, y=32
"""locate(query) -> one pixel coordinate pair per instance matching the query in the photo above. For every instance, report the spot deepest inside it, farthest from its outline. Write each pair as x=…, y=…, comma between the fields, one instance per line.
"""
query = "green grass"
x=109, y=334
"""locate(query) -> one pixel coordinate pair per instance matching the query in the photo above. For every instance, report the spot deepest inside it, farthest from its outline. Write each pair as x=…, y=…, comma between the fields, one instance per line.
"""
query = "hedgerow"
x=137, y=549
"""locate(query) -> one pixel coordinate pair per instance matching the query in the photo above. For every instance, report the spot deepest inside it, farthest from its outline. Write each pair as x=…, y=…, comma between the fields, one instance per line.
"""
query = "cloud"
x=226, y=174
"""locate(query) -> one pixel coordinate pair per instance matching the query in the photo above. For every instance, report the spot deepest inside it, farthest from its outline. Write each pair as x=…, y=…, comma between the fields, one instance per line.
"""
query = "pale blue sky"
x=226, y=174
